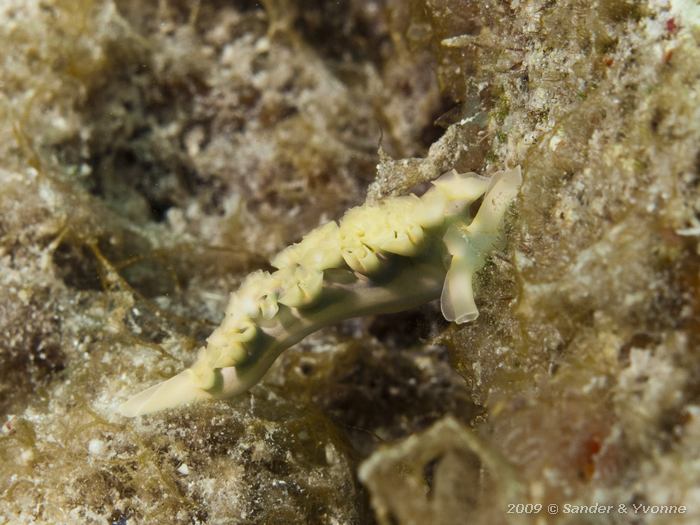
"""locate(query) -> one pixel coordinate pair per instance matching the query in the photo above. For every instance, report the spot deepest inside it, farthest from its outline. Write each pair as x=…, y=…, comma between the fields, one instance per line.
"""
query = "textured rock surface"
x=151, y=156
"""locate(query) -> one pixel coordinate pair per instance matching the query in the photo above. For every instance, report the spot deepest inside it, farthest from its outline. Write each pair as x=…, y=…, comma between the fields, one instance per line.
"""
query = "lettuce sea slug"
x=383, y=258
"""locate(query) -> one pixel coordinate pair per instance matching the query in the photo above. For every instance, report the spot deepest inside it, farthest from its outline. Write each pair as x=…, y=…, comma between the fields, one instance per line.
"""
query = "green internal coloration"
x=382, y=258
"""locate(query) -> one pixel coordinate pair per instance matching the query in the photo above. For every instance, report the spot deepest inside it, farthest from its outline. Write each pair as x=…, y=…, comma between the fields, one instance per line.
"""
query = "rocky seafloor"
x=154, y=153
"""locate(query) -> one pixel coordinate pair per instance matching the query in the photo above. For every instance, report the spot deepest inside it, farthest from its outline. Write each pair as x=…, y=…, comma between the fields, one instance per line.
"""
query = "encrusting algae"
x=383, y=258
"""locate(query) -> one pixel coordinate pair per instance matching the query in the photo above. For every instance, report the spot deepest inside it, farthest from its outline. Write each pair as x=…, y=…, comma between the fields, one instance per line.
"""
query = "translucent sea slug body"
x=380, y=258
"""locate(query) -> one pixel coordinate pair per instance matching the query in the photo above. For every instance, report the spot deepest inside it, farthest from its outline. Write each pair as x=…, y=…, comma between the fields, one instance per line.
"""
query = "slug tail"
x=176, y=391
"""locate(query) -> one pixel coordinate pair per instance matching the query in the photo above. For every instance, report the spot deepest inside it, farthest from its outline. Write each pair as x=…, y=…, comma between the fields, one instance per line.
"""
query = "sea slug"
x=382, y=258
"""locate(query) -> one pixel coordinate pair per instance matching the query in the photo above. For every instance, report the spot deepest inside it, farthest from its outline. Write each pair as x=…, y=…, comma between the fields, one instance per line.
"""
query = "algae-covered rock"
x=154, y=153
x=439, y=476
